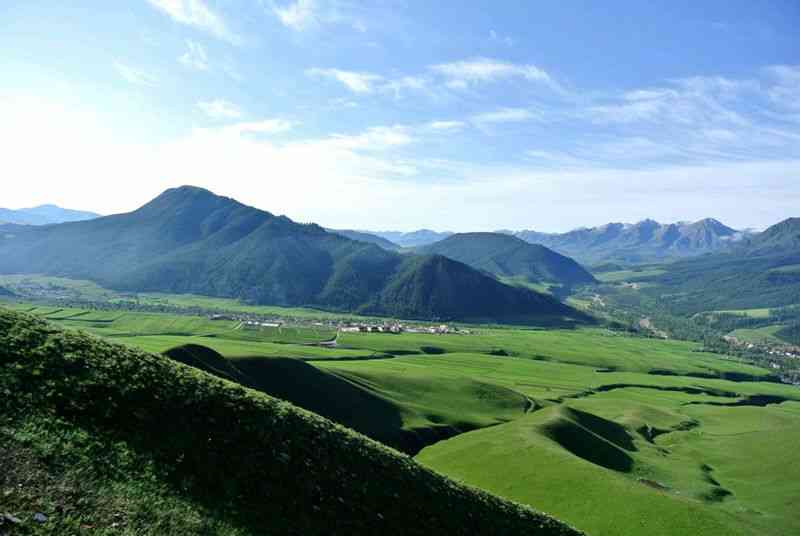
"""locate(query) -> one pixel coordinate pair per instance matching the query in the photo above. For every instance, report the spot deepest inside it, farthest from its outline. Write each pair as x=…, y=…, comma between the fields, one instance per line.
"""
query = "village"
x=387, y=327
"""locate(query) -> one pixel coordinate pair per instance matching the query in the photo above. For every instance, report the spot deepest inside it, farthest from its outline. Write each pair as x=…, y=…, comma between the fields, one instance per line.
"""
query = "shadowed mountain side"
x=351, y=400
x=328, y=395
x=592, y=438
x=207, y=360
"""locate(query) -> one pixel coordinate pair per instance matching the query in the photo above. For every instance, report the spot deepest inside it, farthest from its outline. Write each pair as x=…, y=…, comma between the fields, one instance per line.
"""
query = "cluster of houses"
x=778, y=350
x=249, y=321
x=397, y=328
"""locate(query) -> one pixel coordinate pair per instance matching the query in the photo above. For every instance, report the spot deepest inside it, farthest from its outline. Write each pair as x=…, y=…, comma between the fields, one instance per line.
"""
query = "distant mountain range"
x=759, y=270
x=412, y=239
x=43, y=215
x=190, y=240
x=645, y=241
x=366, y=237
x=509, y=256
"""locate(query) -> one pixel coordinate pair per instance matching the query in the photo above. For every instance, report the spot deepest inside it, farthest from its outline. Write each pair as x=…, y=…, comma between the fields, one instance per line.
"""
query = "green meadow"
x=613, y=433
x=628, y=275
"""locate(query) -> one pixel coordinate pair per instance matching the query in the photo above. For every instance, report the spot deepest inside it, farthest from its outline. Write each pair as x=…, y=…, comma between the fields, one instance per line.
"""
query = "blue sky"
x=407, y=114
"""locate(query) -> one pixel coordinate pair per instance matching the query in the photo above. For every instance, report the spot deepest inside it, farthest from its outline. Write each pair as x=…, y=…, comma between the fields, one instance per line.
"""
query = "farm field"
x=615, y=434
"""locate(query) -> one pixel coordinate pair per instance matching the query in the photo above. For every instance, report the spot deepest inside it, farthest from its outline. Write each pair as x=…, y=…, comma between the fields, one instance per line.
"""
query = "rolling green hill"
x=102, y=437
x=508, y=256
x=188, y=240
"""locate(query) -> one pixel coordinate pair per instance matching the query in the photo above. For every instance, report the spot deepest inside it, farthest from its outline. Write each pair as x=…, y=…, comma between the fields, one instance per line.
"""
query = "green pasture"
x=620, y=276
x=613, y=433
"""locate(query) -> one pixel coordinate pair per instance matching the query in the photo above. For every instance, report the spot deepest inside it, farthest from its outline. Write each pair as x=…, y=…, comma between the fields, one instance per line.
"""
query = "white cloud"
x=399, y=85
x=195, y=57
x=197, y=14
x=360, y=180
x=460, y=74
x=786, y=89
x=220, y=109
x=134, y=75
x=297, y=15
x=689, y=101
x=447, y=125
x=265, y=126
x=373, y=139
x=507, y=40
x=356, y=82
x=305, y=15
x=505, y=115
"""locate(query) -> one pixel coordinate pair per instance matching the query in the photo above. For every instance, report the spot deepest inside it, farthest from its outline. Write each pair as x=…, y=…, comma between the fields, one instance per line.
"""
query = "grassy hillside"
x=508, y=256
x=189, y=240
x=149, y=446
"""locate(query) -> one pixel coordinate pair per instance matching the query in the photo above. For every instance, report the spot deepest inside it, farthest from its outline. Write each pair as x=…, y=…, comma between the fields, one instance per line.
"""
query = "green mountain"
x=43, y=214
x=780, y=238
x=761, y=271
x=366, y=237
x=508, y=256
x=188, y=240
x=105, y=438
x=645, y=241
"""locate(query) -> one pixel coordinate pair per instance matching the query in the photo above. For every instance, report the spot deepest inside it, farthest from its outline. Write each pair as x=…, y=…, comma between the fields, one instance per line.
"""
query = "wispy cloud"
x=687, y=101
x=197, y=14
x=447, y=125
x=298, y=15
x=374, y=138
x=357, y=82
x=399, y=85
x=220, y=109
x=195, y=56
x=786, y=90
x=495, y=37
x=265, y=126
x=504, y=115
x=461, y=74
x=304, y=15
x=134, y=75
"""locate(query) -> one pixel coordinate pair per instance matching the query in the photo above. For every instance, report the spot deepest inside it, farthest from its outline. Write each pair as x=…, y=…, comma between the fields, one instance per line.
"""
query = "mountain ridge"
x=189, y=240
x=44, y=215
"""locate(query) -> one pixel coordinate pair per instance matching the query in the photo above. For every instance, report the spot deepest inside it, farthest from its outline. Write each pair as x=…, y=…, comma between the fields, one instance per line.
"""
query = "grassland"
x=750, y=313
x=107, y=439
x=765, y=334
x=628, y=275
x=616, y=434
